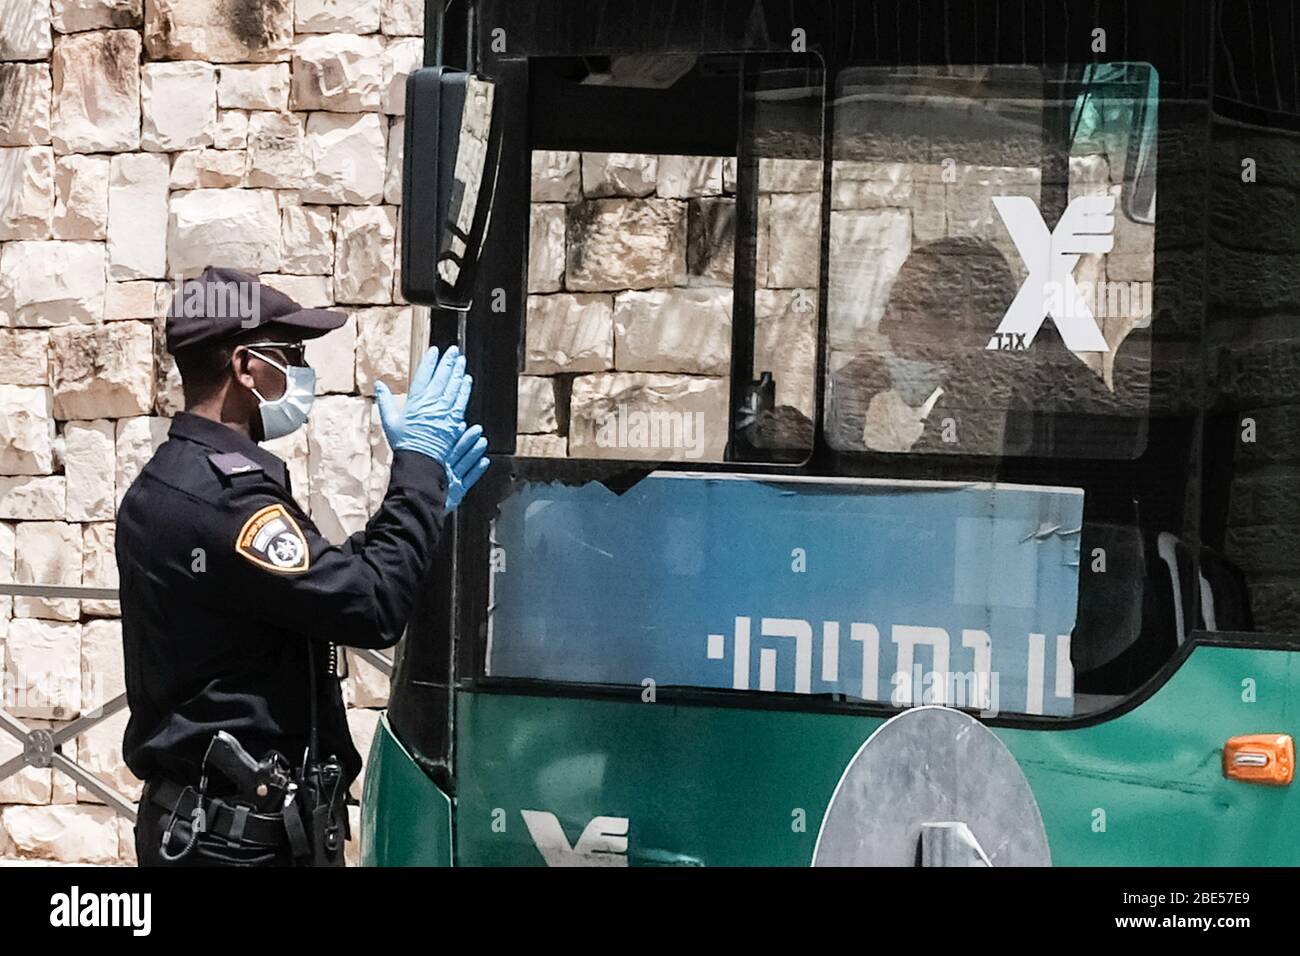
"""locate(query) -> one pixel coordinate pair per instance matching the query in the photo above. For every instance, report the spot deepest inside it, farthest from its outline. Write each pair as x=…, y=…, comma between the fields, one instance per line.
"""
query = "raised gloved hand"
x=433, y=418
x=466, y=465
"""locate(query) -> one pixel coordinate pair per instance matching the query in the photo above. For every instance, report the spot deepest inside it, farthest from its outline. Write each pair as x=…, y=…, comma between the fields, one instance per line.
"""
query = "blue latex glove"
x=466, y=465
x=434, y=416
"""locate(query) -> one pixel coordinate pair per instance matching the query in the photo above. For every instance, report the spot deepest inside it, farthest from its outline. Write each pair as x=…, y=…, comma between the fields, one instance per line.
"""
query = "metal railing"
x=42, y=747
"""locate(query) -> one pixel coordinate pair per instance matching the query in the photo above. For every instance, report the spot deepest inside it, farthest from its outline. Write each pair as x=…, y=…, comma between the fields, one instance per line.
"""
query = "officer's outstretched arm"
x=360, y=594
x=280, y=569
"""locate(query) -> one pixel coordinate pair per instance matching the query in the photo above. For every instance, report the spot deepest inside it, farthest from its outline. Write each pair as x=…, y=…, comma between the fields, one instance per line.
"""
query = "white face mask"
x=288, y=412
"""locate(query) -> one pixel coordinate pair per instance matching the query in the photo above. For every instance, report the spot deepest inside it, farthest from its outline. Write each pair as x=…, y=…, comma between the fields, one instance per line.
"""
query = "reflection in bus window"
x=960, y=322
x=630, y=279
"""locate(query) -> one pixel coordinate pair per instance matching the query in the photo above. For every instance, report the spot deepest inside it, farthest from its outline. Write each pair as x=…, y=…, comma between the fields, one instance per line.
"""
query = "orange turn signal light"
x=1260, y=758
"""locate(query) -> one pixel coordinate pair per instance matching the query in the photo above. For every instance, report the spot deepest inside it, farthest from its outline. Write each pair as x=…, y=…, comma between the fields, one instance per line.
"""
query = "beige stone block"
x=307, y=240
x=26, y=430
x=402, y=18
x=569, y=333
x=338, y=448
x=648, y=416
x=275, y=150
x=711, y=242
x=99, y=752
x=625, y=244
x=47, y=552
x=96, y=83
x=333, y=356
x=25, y=94
x=42, y=665
x=393, y=174
x=139, y=299
x=383, y=348
x=77, y=16
x=401, y=58
x=929, y=211
x=81, y=197
x=541, y=446
x=537, y=406
x=99, y=566
x=26, y=192
x=778, y=175
x=689, y=177
x=336, y=16
x=219, y=31
x=89, y=459
x=618, y=174
x=863, y=185
x=179, y=105
x=102, y=371
x=209, y=169
x=26, y=33
x=345, y=157
x=24, y=357
x=794, y=240
x=239, y=228
x=673, y=330
x=35, y=498
x=231, y=130
x=137, y=439
x=137, y=217
x=63, y=834
x=311, y=292
x=52, y=283
x=337, y=72
x=126, y=842
x=867, y=248
x=257, y=87
x=364, y=253
x=546, y=250
x=556, y=176
x=785, y=344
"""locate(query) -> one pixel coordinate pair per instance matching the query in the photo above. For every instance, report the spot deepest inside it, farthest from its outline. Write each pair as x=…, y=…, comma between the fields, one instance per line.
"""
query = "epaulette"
x=231, y=465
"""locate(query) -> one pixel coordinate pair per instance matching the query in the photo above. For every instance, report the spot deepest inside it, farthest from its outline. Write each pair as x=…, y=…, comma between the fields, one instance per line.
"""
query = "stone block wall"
x=141, y=140
x=631, y=262
x=630, y=272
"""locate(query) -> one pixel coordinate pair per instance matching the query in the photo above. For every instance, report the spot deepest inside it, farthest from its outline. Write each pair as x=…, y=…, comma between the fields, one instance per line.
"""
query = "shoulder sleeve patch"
x=271, y=539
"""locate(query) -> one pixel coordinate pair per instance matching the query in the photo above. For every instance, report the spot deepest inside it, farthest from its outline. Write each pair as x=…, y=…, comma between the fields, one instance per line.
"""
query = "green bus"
x=882, y=475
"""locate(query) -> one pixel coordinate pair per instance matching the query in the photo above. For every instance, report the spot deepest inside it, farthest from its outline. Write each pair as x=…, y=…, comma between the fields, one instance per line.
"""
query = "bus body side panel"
x=598, y=781
x=405, y=818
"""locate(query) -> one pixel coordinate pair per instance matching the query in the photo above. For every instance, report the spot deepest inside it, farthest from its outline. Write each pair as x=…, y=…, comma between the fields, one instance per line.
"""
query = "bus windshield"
x=990, y=454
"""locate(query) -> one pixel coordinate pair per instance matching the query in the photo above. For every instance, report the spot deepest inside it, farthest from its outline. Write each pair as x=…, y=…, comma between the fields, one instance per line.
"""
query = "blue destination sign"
x=907, y=592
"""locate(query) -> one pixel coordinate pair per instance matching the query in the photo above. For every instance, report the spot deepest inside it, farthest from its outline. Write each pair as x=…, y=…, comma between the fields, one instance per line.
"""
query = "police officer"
x=233, y=604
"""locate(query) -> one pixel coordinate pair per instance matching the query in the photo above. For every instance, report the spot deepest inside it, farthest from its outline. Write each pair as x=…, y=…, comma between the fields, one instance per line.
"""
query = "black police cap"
x=221, y=305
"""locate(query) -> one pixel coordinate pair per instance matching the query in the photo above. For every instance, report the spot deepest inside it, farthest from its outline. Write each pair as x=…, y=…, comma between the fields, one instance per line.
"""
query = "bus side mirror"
x=1118, y=103
x=449, y=171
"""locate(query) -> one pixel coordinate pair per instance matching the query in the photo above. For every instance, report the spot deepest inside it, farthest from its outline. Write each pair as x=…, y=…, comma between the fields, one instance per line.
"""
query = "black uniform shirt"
x=224, y=581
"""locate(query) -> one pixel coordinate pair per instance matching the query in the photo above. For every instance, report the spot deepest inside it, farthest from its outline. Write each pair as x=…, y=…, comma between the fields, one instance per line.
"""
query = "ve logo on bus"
x=603, y=842
x=1086, y=227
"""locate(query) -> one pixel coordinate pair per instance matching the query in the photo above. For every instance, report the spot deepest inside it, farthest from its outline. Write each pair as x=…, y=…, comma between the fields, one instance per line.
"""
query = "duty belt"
x=230, y=821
